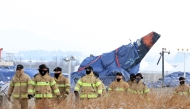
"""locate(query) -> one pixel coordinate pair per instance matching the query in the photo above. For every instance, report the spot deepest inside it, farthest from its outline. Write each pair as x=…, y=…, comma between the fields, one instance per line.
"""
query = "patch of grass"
x=157, y=99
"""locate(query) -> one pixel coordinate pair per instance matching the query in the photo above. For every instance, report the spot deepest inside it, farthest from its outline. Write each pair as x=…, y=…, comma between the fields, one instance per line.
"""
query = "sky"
x=93, y=27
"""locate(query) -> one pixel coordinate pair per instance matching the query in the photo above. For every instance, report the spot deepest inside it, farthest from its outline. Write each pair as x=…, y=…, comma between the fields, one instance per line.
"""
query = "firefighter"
x=139, y=87
x=62, y=82
x=118, y=84
x=18, y=89
x=90, y=85
x=43, y=86
x=132, y=79
x=103, y=86
x=183, y=88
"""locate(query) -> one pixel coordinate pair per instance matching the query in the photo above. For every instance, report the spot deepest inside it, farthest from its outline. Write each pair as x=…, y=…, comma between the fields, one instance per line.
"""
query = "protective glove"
x=58, y=96
x=67, y=93
x=76, y=94
x=9, y=98
x=99, y=95
x=30, y=96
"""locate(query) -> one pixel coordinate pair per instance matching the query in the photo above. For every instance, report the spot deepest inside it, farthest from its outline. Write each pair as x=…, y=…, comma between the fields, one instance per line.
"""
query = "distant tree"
x=55, y=60
x=42, y=60
x=61, y=61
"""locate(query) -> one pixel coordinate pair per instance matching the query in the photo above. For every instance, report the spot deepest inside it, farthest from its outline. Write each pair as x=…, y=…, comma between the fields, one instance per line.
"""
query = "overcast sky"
x=92, y=26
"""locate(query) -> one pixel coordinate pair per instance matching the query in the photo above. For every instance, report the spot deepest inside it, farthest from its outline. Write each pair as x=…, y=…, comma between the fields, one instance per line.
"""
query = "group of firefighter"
x=45, y=88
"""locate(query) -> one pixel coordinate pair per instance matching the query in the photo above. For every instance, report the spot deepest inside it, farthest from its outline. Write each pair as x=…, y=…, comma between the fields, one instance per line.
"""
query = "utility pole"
x=162, y=56
x=184, y=53
x=68, y=59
